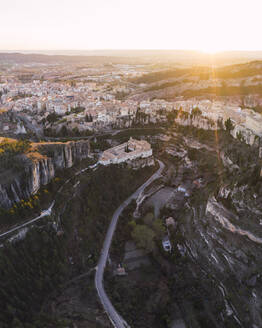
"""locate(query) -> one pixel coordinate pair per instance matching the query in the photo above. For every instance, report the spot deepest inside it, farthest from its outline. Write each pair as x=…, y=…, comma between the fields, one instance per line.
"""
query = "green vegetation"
x=229, y=125
x=89, y=118
x=120, y=95
x=171, y=116
x=184, y=115
x=144, y=237
x=165, y=85
x=53, y=117
x=258, y=109
x=66, y=133
x=63, y=120
x=99, y=143
x=9, y=149
x=32, y=206
x=143, y=297
x=32, y=268
x=77, y=110
x=21, y=96
x=124, y=135
x=202, y=72
x=196, y=112
x=224, y=91
x=161, y=75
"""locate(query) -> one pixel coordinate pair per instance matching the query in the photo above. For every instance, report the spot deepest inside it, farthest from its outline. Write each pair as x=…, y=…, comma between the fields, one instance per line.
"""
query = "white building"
x=127, y=151
x=166, y=244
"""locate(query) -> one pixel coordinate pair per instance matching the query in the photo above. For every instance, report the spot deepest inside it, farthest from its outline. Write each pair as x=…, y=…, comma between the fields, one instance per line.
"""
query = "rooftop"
x=132, y=148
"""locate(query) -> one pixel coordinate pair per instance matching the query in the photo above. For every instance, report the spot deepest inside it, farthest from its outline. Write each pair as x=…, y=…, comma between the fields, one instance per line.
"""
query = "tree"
x=89, y=118
x=127, y=150
x=240, y=136
x=196, y=112
x=144, y=237
x=229, y=125
x=51, y=118
x=158, y=228
x=149, y=218
x=76, y=132
x=63, y=132
x=17, y=323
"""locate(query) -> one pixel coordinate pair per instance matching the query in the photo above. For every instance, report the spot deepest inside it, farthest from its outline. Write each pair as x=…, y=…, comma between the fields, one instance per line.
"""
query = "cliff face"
x=39, y=168
x=199, y=122
x=13, y=124
x=64, y=155
x=240, y=132
x=246, y=135
x=141, y=162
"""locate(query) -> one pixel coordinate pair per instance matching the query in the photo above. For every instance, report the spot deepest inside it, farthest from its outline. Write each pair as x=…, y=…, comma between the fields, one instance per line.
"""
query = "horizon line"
x=131, y=49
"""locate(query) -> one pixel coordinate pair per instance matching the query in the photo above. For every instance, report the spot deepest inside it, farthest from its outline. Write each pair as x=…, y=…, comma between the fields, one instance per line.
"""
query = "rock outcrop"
x=199, y=122
x=245, y=135
x=240, y=131
x=13, y=124
x=141, y=162
x=39, y=167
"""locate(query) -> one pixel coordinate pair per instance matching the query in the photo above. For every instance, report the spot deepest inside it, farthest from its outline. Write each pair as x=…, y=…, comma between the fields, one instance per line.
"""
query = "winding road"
x=43, y=214
x=114, y=316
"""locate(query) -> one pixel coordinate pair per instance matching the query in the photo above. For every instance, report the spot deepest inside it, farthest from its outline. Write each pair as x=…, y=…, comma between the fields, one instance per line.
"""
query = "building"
x=166, y=244
x=130, y=150
x=120, y=271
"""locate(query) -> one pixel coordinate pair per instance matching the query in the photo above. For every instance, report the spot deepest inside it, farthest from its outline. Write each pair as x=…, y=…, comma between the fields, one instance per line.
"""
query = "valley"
x=139, y=209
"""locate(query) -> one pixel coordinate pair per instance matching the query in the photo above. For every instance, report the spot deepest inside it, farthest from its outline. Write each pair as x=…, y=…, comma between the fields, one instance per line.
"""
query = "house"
x=120, y=271
x=183, y=190
x=166, y=244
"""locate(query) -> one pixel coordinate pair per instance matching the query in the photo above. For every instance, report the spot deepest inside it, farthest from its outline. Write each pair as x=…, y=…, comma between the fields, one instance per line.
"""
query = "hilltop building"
x=130, y=150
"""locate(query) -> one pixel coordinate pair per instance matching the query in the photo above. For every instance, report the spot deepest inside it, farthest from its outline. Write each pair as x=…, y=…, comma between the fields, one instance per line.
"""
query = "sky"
x=205, y=25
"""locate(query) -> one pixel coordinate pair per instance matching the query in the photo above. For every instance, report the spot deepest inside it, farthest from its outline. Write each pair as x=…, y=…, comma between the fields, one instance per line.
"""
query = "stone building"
x=127, y=151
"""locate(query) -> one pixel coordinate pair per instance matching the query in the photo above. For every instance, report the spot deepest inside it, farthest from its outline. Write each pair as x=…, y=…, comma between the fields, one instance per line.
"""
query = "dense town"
x=53, y=100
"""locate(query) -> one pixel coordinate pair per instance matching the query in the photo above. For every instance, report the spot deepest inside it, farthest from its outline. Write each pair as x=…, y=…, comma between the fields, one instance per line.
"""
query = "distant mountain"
x=180, y=57
x=66, y=59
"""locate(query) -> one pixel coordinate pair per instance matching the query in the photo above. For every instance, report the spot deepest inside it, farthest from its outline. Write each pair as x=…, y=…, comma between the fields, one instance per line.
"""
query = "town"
x=54, y=101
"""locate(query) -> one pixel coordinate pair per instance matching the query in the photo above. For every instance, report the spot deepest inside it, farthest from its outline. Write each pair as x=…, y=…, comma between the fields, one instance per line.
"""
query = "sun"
x=210, y=50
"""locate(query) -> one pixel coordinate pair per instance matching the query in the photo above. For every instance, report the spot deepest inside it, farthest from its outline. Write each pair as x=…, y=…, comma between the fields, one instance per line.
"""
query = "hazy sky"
x=208, y=25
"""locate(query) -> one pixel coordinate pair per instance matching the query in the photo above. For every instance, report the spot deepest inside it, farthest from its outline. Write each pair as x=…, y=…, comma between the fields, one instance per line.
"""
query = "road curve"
x=43, y=214
x=115, y=318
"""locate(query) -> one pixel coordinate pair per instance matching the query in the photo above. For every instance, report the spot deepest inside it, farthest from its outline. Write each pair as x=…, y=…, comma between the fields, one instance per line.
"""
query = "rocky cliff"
x=141, y=162
x=13, y=124
x=245, y=135
x=240, y=132
x=199, y=122
x=38, y=168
